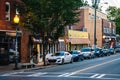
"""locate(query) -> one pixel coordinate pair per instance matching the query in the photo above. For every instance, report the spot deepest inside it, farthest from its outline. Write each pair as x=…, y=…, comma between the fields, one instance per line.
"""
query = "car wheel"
x=62, y=61
x=80, y=58
x=71, y=60
x=90, y=56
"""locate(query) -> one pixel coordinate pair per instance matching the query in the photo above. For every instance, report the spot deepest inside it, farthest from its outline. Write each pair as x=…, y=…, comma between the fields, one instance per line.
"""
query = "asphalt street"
x=103, y=68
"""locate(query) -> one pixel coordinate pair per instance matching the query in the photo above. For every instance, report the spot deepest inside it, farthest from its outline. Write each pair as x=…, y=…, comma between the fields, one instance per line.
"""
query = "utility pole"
x=95, y=2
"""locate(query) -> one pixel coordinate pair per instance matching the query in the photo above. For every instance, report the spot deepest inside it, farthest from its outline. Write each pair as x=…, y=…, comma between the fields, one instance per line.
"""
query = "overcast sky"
x=110, y=3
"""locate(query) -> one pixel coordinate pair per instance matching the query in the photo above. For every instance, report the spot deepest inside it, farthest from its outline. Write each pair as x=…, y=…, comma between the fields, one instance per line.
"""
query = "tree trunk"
x=44, y=50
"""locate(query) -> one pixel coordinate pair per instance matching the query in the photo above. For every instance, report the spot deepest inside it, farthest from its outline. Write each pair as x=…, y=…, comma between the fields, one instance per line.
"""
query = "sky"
x=115, y=3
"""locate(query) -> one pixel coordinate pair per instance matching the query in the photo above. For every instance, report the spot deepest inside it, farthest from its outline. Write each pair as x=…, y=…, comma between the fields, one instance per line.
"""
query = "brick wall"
x=25, y=55
x=86, y=22
x=79, y=25
x=9, y=25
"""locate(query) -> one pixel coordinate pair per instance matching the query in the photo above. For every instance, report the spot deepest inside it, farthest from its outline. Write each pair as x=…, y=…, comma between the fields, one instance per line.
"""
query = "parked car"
x=47, y=56
x=105, y=52
x=60, y=57
x=77, y=56
x=97, y=52
x=111, y=50
x=87, y=53
x=117, y=48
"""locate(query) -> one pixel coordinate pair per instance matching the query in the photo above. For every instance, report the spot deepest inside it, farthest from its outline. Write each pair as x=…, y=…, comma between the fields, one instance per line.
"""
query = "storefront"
x=77, y=40
x=7, y=46
x=109, y=41
x=36, y=43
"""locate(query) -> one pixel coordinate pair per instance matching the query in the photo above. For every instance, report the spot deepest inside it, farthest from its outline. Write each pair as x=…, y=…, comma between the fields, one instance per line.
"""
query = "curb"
x=29, y=69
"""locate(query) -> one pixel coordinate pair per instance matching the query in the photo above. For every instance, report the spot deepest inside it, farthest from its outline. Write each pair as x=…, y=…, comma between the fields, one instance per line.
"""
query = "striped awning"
x=79, y=40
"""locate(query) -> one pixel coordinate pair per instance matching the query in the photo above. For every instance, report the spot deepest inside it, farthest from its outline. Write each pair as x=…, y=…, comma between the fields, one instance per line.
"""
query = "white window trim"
x=7, y=15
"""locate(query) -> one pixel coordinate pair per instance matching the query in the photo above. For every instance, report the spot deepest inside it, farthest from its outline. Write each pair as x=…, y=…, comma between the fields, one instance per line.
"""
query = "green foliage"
x=114, y=15
x=44, y=16
x=111, y=12
x=93, y=5
x=85, y=3
x=118, y=27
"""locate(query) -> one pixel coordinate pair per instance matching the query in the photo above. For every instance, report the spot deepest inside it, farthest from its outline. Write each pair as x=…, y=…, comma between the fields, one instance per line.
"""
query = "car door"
x=92, y=52
x=66, y=57
x=69, y=56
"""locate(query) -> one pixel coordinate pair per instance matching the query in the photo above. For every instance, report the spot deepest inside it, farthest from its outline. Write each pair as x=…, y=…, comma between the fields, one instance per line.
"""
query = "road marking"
x=36, y=74
x=94, y=75
x=91, y=67
x=8, y=74
x=66, y=74
x=63, y=75
x=97, y=75
x=101, y=76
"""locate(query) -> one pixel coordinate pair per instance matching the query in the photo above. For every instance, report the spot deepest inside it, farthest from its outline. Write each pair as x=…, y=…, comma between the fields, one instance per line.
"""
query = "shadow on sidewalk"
x=10, y=67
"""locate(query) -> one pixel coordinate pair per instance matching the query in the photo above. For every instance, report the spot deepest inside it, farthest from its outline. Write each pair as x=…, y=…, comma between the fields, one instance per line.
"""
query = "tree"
x=46, y=17
x=114, y=15
x=85, y=3
x=95, y=5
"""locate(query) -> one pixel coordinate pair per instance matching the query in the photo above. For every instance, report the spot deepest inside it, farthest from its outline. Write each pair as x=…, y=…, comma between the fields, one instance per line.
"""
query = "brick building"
x=105, y=30
x=8, y=31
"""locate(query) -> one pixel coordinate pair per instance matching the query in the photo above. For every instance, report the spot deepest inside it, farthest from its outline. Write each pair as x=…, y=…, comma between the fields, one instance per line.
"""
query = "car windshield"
x=85, y=50
x=110, y=48
x=96, y=49
x=73, y=52
x=117, y=46
x=103, y=49
x=59, y=54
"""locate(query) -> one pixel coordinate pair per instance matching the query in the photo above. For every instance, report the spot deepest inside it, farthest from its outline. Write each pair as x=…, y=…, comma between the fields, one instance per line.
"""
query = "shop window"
x=105, y=30
x=7, y=11
x=91, y=16
x=84, y=29
x=70, y=27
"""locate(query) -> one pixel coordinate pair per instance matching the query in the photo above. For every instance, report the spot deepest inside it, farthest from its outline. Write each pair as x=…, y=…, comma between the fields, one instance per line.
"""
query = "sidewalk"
x=10, y=67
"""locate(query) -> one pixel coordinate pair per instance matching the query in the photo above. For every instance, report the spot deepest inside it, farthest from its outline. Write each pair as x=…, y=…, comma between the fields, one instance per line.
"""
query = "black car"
x=105, y=52
x=97, y=52
x=77, y=56
x=117, y=48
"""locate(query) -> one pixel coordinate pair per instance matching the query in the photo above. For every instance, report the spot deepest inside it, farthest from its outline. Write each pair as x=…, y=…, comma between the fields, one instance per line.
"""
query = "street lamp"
x=16, y=21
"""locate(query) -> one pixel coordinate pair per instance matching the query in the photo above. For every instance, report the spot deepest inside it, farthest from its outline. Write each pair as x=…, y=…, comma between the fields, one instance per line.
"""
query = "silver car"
x=87, y=53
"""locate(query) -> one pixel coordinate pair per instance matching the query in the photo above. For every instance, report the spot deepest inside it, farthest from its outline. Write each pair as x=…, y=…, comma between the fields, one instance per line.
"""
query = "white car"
x=60, y=57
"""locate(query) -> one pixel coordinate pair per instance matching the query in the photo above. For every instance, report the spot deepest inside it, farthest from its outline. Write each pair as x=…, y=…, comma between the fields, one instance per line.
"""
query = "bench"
x=27, y=65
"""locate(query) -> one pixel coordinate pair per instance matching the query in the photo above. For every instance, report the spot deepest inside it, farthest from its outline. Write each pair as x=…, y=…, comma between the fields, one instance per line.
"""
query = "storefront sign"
x=77, y=34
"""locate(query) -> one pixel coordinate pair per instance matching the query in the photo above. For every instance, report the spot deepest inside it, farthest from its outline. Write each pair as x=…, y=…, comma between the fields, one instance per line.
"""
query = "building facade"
x=8, y=32
x=105, y=30
x=26, y=41
x=79, y=35
x=78, y=39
